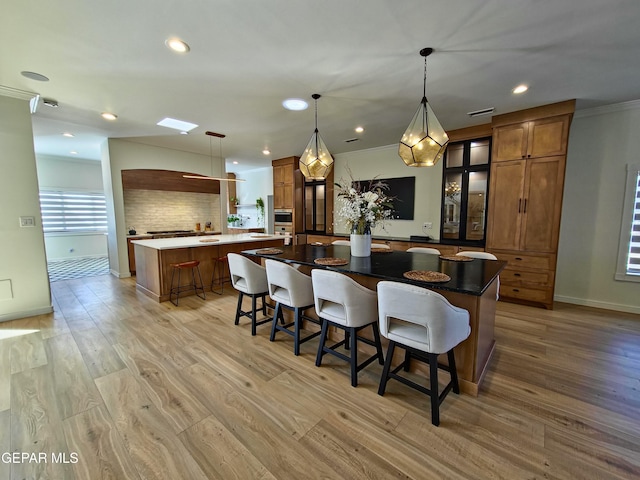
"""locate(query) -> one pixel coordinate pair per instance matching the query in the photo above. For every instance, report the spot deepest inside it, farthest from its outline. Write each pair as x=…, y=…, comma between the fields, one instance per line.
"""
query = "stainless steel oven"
x=284, y=217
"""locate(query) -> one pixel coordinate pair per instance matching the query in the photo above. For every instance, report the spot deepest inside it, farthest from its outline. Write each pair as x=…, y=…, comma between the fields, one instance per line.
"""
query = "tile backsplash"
x=149, y=210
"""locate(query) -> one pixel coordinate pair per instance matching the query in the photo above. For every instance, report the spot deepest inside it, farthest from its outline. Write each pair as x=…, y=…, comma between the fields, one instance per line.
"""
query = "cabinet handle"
x=519, y=204
x=517, y=275
x=525, y=205
x=518, y=258
x=515, y=290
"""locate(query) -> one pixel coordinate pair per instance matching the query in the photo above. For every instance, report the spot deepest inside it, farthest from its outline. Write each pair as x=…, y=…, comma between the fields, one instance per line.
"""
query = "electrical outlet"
x=427, y=225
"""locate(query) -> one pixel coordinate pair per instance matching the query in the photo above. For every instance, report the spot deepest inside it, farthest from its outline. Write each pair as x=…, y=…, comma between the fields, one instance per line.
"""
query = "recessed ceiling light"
x=235, y=162
x=266, y=151
x=108, y=116
x=520, y=89
x=295, y=104
x=73, y=152
x=177, y=45
x=184, y=133
x=50, y=102
x=68, y=134
x=177, y=124
x=359, y=129
x=34, y=76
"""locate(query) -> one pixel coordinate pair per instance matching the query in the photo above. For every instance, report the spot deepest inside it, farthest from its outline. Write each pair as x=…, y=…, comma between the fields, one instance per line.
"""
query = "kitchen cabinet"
x=525, y=199
x=538, y=138
x=283, y=183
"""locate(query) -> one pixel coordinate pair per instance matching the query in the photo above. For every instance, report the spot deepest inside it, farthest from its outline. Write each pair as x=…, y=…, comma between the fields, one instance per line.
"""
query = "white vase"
x=360, y=245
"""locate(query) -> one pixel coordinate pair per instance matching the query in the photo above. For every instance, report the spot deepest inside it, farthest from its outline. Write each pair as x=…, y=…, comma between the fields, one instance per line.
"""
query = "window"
x=465, y=190
x=629, y=248
x=73, y=211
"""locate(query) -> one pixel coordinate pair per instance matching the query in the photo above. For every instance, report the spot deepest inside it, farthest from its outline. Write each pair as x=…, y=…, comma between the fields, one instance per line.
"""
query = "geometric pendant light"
x=316, y=161
x=424, y=141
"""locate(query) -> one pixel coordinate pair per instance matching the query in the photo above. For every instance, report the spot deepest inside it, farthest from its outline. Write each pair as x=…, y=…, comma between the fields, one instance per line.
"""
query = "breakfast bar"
x=472, y=286
x=155, y=257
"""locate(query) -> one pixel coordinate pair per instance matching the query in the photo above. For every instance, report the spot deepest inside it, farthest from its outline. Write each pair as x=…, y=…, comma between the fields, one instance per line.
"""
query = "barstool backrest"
x=340, y=299
x=288, y=285
x=446, y=325
x=432, y=251
x=472, y=254
x=381, y=245
x=341, y=242
x=246, y=275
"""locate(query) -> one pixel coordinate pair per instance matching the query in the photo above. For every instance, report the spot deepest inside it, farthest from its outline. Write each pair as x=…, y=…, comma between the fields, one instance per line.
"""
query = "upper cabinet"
x=283, y=182
x=537, y=138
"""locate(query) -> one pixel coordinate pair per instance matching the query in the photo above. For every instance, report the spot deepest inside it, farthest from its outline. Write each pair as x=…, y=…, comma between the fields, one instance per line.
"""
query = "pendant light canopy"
x=424, y=141
x=316, y=161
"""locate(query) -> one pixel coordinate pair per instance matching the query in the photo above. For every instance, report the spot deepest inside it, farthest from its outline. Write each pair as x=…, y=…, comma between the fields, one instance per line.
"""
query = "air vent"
x=479, y=113
x=349, y=140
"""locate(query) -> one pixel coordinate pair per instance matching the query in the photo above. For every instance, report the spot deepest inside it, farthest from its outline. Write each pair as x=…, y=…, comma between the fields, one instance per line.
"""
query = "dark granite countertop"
x=471, y=277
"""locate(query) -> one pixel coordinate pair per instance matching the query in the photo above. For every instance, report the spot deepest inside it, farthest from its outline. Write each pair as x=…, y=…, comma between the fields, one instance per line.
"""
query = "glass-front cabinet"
x=465, y=191
x=315, y=207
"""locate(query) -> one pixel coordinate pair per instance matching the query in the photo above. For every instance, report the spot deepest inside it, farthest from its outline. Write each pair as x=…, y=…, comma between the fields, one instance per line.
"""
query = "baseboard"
x=595, y=304
x=78, y=257
x=119, y=275
x=26, y=313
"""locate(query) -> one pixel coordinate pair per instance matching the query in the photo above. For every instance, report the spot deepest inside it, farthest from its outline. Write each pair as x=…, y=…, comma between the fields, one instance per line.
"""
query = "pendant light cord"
x=424, y=85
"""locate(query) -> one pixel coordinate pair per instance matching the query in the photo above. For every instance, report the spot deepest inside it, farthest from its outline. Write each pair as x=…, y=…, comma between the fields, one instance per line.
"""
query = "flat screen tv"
x=403, y=191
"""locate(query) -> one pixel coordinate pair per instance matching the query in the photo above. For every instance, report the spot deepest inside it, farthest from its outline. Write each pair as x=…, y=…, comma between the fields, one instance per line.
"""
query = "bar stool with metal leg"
x=194, y=265
x=425, y=325
x=218, y=267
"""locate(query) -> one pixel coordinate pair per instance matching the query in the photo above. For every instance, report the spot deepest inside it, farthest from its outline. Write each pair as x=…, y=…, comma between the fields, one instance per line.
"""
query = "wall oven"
x=283, y=221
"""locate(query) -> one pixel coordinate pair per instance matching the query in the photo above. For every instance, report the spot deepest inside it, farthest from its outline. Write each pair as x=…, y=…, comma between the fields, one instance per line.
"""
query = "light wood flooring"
x=138, y=389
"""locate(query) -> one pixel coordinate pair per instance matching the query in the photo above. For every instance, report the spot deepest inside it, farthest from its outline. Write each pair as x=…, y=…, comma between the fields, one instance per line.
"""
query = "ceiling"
x=248, y=56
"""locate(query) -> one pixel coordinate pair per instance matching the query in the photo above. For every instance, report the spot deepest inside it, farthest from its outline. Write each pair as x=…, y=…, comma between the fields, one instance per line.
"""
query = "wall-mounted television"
x=403, y=192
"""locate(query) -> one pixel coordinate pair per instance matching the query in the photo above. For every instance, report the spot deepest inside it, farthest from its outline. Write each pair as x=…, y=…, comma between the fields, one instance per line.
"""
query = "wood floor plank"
x=220, y=454
x=99, y=356
x=36, y=426
x=262, y=434
x=163, y=386
x=100, y=450
x=52, y=325
x=5, y=442
x=27, y=348
x=75, y=390
x=151, y=442
x=5, y=371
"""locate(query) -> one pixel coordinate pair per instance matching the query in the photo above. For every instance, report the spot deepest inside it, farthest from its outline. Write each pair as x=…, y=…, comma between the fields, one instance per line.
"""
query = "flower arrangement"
x=362, y=208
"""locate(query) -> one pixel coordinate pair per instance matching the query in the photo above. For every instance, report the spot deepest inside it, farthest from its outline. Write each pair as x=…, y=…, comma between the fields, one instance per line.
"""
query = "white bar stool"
x=485, y=256
x=431, y=251
x=344, y=303
x=249, y=279
x=426, y=325
x=290, y=289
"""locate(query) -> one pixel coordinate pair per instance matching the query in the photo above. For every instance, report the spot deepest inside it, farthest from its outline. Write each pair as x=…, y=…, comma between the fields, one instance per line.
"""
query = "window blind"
x=73, y=211
x=633, y=258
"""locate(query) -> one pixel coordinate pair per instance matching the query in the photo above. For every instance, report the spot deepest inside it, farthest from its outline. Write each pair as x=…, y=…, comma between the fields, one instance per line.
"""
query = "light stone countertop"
x=197, y=241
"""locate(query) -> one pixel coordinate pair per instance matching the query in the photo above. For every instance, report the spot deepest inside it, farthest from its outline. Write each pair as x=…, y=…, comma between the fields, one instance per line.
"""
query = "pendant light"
x=220, y=136
x=316, y=161
x=424, y=141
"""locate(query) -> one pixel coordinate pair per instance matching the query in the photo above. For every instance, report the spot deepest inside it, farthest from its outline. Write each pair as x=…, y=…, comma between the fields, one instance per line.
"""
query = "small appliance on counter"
x=132, y=230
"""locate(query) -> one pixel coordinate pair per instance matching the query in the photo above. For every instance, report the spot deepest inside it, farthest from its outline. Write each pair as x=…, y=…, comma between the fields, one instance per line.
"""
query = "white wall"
x=71, y=174
x=118, y=155
x=601, y=143
x=24, y=283
x=384, y=162
x=258, y=183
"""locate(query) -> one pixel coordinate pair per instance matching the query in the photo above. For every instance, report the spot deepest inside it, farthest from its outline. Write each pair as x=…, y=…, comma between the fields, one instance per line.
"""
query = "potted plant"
x=232, y=220
x=233, y=201
x=260, y=208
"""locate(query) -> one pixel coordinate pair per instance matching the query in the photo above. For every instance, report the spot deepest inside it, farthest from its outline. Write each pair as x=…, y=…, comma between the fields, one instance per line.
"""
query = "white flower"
x=360, y=209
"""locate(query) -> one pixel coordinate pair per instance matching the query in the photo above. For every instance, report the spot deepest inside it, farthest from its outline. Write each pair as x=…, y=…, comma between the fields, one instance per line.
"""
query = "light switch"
x=27, y=221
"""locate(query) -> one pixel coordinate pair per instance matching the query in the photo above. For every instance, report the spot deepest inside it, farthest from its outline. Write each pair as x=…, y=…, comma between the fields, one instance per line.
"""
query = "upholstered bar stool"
x=293, y=290
x=218, y=268
x=249, y=279
x=194, y=265
x=342, y=302
x=432, y=251
x=341, y=242
x=426, y=325
x=485, y=256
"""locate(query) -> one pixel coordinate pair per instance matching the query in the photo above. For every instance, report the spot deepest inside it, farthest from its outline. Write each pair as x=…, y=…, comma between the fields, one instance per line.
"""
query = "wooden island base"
x=154, y=259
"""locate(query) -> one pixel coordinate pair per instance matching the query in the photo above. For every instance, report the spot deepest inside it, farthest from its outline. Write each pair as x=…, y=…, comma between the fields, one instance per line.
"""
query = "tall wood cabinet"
x=525, y=198
x=283, y=182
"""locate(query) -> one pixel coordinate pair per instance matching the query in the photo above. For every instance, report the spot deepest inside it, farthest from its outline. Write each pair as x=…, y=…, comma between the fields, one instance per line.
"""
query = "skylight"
x=177, y=124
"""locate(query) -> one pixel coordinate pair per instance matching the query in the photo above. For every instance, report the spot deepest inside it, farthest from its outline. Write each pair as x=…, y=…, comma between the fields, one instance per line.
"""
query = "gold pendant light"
x=316, y=161
x=424, y=141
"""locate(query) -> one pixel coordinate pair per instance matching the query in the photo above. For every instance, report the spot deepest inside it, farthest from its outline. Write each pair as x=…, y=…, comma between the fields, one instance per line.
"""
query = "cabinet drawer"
x=524, y=277
x=516, y=261
x=523, y=293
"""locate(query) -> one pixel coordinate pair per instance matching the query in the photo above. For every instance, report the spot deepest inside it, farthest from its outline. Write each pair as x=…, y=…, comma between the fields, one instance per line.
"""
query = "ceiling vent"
x=349, y=140
x=480, y=113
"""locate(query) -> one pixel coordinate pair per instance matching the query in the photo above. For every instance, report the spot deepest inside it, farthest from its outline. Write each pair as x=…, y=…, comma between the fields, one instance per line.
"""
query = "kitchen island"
x=154, y=257
x=472, y=286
